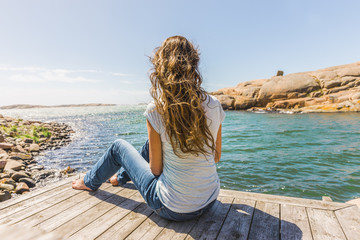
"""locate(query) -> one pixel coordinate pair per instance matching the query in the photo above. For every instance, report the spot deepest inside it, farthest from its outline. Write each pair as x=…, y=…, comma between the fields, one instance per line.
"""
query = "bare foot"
x=113, y=180
x=80, y=185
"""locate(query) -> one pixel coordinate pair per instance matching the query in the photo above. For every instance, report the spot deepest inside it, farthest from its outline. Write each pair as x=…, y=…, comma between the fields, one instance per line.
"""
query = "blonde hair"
x=178, y=95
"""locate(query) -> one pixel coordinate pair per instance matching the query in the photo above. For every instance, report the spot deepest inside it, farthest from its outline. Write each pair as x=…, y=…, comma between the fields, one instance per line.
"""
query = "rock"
x=18, y=148
x=34, y=147
x=332, y=83
x=30, y=182
x=3, y=163
x=28, y=140
x=22, y=174
x=4, y=195
x=227, y=102
x=6, y=145
x=21, y=188
x=42, y=174
x=244, y=102
x=37, y=168
x=68, y=170
x=8, y=181
x=280, y=73
x=7, y=187
x=355, y=96
x=349, y=71
x=13, y=165
x=22, y=156
x=279, y=87
x=5, y=175
x=342, y=82
x=2, y=138
x=345, y=104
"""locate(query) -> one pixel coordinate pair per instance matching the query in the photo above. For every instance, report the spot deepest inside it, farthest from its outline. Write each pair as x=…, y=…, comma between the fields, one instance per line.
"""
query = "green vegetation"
x=27, y=131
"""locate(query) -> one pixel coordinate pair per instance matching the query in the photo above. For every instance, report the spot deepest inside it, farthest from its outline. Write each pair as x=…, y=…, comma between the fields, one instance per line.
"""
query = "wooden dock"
x=59, y=212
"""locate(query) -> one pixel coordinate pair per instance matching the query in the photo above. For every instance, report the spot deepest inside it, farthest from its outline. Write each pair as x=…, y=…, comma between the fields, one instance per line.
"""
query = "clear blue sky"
x=66, y=51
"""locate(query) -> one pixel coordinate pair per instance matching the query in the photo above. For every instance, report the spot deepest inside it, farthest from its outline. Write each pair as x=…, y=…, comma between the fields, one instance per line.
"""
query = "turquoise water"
x=300, y=155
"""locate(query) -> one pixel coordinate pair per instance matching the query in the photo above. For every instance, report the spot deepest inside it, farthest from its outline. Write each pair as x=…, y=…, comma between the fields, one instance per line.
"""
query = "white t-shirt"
x=189, y=183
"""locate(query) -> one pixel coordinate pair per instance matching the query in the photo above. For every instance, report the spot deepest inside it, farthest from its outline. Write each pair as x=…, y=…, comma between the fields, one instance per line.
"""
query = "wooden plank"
x=23, y=205
x=46, y=191
x=294, y=223
x=265, y=223
x=70, y=213
x=238, y=220
x=23, y=202
x=35, y=208
x=84, y=218
x=284, y=200
x=210, y=223
x=349, y=219
x=128, y=224
x=10, y=232
x=104, y=222
x=150, y=228
x=60, y=207
x=324, y=224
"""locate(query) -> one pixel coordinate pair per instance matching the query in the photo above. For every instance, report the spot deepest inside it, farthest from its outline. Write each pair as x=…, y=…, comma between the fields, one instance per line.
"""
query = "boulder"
x=13, y=165
x=4, y=195
x=6, y=145
x=34, y=147
x=227, y=102
x=21, y=188
x=2, y=138
x=244, y=102
x=280, y=87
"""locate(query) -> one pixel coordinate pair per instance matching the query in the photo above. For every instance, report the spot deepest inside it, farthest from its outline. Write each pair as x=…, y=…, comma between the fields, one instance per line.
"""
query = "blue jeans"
x=132, y=165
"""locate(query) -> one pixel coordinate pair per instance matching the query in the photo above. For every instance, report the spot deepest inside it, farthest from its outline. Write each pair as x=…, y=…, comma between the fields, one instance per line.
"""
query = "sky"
x=86, y=51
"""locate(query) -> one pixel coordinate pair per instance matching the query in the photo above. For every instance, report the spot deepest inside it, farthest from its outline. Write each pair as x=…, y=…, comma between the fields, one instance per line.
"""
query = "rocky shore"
x=21, y=141
x=24, y=106
x=333, y=89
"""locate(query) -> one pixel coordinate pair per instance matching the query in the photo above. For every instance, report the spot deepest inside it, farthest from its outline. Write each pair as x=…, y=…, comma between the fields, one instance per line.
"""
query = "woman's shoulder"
x=211, y=102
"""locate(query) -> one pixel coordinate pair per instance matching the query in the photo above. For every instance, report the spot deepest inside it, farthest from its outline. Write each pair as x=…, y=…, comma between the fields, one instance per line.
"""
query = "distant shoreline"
x=25, y=106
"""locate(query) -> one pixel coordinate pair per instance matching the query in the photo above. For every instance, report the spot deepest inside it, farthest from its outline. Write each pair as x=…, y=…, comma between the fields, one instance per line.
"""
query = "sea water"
x=299, y=155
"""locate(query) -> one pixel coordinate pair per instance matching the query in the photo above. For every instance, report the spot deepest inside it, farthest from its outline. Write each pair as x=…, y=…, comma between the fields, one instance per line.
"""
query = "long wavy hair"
x=178, y=95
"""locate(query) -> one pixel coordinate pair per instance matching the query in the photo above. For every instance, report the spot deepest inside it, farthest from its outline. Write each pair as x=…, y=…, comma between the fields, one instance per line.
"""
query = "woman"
x=175, y=171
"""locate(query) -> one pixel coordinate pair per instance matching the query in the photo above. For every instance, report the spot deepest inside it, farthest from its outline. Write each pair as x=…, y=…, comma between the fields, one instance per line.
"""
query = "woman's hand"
x=155, y=150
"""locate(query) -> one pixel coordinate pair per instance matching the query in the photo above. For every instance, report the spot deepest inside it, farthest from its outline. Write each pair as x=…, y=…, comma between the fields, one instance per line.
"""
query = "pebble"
x=16, y=176
x=7, y=187
x=13, y=165
x=4, y=195
x=8, y=181
x=37, y=168
x=30, y=182
x=21, y=188
x=6, y=145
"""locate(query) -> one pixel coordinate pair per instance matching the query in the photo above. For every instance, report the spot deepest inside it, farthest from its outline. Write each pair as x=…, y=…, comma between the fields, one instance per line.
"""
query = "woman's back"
x=188, y=182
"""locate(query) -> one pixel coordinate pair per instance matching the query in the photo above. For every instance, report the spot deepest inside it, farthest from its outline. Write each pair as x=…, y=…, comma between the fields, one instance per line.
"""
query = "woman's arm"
x=155, y=150
x=218, y=146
